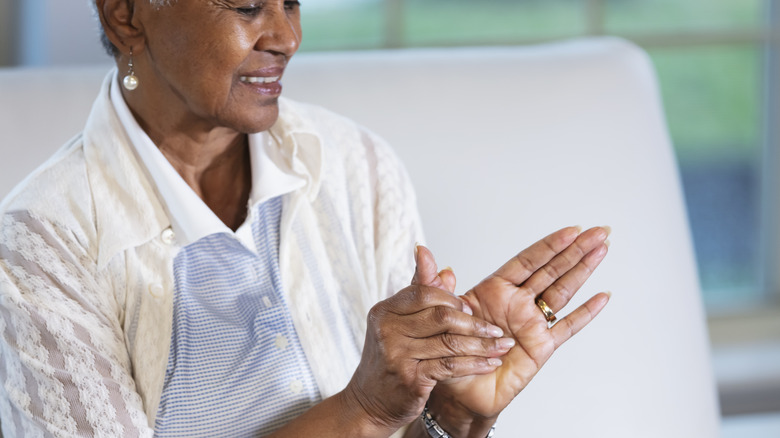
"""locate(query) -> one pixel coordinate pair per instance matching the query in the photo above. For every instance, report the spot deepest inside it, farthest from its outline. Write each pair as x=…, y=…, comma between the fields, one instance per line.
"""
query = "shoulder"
x=340, y=136
x=310, y=116
x=363, y=165
x=49, y=217
x=57, y=191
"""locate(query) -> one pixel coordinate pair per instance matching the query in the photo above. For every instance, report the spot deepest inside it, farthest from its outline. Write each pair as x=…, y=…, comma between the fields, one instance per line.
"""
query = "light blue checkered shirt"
x=236, y=367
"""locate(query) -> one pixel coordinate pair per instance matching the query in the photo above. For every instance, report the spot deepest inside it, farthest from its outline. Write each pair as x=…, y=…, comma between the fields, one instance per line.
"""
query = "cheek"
x=218, y=54
x=212, y=68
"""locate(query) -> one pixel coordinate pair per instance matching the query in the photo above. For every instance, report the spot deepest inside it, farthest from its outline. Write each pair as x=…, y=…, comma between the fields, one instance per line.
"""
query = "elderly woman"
x=200, y=261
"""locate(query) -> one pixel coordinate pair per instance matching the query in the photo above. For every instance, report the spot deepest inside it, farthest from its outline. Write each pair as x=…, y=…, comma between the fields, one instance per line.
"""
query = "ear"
x=120, y=24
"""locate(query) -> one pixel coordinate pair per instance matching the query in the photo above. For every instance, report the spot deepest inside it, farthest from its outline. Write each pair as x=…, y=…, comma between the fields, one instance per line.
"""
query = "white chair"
x=506, y=145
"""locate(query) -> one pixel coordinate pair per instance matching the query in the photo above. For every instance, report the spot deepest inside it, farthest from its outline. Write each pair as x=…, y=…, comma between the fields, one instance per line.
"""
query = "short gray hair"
x=110, y=48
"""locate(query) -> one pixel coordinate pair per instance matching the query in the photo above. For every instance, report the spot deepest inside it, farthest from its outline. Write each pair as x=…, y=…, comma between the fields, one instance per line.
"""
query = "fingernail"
x=448, y=268
x=607, y=243
x=416, y=249
x=506, y=343
x=578, y=228
x=607, y=228
x=494, y=361
x=609, y=294
x=495, y=332
x=467, y=309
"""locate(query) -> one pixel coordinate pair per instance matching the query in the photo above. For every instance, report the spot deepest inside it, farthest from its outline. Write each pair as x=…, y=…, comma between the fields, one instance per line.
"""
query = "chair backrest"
x=505, y=145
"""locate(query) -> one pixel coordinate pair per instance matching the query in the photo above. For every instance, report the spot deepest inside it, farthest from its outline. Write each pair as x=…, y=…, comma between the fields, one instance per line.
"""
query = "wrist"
x=434, y=430
x=458, y=421
x=362, y=422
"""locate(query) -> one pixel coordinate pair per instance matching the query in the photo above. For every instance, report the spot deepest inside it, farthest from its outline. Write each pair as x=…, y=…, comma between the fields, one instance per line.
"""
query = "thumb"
x=426, y=273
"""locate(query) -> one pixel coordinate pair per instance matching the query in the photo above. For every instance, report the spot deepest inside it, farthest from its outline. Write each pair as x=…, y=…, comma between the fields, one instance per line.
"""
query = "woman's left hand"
x=552, y=269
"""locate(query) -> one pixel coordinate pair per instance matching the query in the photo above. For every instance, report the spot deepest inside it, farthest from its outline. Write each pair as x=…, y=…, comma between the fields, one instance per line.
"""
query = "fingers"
x=448, y=279
x=559, y=280
x=449, y=345
x=453, y=367
x=565, y=260
x=440, y=320
x=569, y=326
x=561, y=291
x=441, y=333
x=523, y=265
x=417, y=298
x=422, y=332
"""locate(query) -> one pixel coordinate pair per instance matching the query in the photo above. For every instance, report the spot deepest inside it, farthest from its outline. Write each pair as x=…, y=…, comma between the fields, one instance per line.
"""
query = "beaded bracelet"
x=435, y=431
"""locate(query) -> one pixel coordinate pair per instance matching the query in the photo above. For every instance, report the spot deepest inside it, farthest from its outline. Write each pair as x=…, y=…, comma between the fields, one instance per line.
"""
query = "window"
x=710, y=56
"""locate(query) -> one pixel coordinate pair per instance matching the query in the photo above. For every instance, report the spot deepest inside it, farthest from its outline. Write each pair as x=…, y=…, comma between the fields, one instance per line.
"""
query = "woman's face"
x=215, y=61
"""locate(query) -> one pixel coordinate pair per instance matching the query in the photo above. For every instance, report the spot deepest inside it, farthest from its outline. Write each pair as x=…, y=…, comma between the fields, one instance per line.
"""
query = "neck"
x=213, y=161
x=220, y=174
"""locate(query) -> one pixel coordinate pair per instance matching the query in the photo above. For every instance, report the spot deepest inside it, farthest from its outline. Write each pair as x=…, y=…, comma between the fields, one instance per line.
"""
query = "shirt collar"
x=299, y=144
x=191, y=218
x=129, y=208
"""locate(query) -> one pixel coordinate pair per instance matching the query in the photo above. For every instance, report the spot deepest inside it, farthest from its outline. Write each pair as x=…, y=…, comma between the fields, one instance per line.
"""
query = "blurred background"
x=718, y=63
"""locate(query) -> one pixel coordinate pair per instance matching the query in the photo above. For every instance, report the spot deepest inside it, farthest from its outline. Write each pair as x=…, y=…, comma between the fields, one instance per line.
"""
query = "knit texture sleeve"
x=64, y=366
x=397, y=224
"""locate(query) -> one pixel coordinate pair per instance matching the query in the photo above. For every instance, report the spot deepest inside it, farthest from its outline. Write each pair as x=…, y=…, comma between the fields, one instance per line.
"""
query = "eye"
x=292, y=5
x=249, y=11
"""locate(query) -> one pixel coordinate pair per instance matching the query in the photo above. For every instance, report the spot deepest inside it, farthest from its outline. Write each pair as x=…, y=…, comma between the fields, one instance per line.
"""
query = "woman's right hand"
x=418, y=337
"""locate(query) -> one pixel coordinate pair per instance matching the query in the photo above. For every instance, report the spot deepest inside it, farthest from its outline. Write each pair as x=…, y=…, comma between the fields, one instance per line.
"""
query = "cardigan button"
x=156, y=290
x=168, y=236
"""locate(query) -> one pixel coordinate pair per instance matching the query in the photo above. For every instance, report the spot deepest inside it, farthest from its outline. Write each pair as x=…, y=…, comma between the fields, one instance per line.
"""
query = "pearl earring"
x=131, y=80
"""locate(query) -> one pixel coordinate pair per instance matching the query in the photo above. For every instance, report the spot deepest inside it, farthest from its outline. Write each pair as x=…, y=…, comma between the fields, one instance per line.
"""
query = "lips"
x=259, y=79
x=264, y=81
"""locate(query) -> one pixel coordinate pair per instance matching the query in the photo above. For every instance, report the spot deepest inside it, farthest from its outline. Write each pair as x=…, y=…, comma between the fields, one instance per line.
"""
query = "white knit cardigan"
x=86, y=277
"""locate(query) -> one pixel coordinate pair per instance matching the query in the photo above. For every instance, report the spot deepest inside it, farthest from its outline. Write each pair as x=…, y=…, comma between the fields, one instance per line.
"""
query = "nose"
x=281, y=32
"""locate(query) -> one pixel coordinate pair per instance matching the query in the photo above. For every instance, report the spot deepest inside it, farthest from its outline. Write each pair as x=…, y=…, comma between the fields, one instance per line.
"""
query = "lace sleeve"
x=398, y=227
x=64, y=367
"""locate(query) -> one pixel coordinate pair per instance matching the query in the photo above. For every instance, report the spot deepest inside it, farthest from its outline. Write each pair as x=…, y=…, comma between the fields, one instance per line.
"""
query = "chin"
x=262, y=120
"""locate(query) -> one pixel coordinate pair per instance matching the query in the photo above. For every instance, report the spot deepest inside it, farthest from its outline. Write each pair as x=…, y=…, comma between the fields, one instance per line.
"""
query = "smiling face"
x=213, y=63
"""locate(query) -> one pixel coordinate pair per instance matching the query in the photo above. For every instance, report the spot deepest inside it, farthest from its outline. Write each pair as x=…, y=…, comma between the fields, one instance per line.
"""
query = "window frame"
x=8, y=28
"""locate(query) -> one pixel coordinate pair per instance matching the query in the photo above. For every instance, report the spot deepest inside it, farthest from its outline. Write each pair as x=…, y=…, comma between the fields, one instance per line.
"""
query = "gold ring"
x=549, y=315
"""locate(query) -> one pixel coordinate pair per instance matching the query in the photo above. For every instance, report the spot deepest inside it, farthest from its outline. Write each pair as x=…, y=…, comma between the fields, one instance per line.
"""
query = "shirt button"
x=156, y=290
x=267, y=302
x=296, y=386
x=281, y=342
x=168, y=236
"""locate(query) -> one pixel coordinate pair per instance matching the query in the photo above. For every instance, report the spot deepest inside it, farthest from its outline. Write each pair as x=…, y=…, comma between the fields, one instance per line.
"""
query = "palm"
x=554, y=269
x=501, y=303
